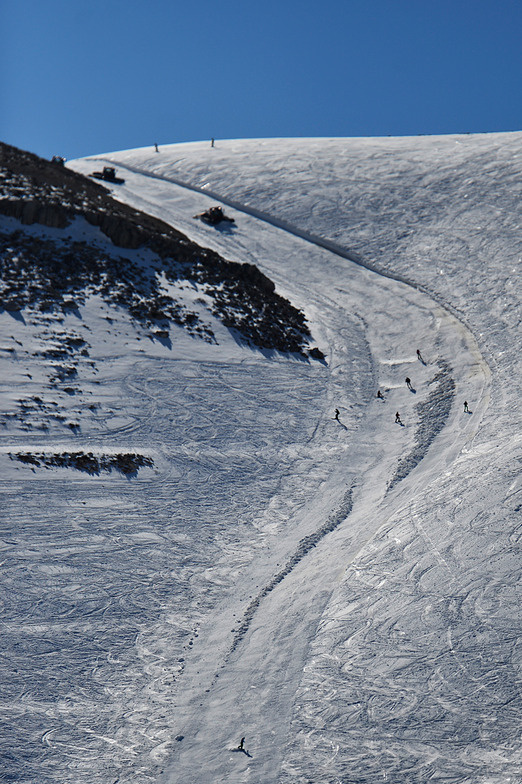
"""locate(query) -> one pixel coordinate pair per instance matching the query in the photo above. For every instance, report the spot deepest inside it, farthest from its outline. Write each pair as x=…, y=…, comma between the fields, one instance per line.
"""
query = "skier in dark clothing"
x=466, y=409
x=408, y=382
x=398, y=418
x=241, y=744
x=419, y=357
x=336, y=414
x=380, y=395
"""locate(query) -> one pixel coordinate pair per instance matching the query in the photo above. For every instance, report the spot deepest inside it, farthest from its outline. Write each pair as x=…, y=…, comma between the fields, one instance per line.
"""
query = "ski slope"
x=344, y=594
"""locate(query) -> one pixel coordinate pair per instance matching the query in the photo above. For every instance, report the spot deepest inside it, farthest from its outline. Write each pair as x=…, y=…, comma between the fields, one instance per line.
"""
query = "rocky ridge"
x=57, y=274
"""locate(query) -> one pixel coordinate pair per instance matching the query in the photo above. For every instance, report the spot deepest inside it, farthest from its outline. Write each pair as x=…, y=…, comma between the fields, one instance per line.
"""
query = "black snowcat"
x=214, y=216
x=108, y=174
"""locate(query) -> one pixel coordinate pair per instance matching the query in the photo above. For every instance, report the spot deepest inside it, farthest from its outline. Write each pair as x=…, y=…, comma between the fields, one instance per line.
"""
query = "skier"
x=398, y=419
x=466, y=409
x=380, y=395
x=408, y=382
x=156, y=146
x=212, y=142
x=336, y=414
x=241, y=744
x=419, y=357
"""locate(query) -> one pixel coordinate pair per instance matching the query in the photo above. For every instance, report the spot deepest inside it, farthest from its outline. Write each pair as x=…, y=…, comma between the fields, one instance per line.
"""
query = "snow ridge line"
x=303, y=548
x=315, y=239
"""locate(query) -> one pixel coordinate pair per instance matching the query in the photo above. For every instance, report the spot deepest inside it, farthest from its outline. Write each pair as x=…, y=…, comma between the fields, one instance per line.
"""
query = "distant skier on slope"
x=337, y=414
x=380, y=395
x=466, y=409
x=398, y=419
x=420, y=357
x=241, y=744
x=408, y=382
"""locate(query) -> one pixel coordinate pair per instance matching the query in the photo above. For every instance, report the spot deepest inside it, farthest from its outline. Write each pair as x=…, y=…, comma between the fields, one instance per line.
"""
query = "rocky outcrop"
x=34, y=211
x=128, y=463
x=36, y=272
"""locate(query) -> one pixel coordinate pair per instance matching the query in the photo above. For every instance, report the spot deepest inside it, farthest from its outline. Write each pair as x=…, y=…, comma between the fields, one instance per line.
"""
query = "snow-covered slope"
x=342, y=593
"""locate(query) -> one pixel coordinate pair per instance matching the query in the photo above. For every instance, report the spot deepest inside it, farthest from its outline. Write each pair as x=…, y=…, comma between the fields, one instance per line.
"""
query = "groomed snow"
x=343, y=594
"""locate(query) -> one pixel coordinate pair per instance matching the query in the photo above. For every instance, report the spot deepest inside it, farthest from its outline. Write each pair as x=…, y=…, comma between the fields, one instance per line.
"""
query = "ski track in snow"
x=305, y=546
x=433, y=414
x=346, y=626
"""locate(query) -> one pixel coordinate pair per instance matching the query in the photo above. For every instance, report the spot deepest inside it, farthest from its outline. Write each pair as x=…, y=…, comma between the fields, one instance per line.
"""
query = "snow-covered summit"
x=340, y=589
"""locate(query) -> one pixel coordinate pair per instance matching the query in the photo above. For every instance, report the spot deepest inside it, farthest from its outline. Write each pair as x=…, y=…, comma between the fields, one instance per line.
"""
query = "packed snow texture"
x=345, y=594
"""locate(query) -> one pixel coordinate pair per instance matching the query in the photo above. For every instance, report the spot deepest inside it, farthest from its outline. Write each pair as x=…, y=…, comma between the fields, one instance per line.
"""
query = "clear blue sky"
x=78, y=78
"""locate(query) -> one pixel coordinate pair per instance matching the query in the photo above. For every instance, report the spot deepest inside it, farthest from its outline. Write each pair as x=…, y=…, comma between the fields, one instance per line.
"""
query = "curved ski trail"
x=246, y=686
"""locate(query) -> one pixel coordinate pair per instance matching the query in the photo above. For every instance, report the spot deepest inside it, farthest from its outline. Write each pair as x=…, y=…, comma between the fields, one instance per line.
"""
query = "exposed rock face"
x=33, y=211
x=119, y=229
x=34, y=190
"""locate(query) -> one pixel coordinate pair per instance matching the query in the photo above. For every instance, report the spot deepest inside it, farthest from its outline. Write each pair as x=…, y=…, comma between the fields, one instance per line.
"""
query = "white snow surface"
x=343, y=594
